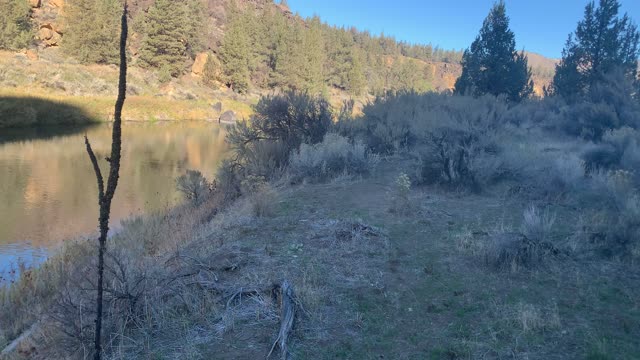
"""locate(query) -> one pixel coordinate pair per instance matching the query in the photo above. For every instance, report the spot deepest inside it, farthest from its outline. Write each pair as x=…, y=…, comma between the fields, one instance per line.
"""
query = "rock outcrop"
x=199, y=64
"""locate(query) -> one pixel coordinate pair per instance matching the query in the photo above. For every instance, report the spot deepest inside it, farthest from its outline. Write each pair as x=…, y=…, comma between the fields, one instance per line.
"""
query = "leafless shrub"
x=193, y=186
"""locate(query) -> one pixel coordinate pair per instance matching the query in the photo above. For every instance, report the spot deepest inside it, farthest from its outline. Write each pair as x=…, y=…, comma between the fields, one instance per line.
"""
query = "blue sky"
x=540, y=26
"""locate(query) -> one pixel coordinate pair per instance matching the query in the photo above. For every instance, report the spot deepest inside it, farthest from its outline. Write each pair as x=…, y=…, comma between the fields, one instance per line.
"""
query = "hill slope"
x=441, y=67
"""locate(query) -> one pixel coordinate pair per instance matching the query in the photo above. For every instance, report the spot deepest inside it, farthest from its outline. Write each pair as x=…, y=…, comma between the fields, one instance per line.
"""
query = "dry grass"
x=91, y=89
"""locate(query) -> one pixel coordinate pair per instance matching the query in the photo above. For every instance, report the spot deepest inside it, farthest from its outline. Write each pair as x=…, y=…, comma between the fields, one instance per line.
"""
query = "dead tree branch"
x=105, y=197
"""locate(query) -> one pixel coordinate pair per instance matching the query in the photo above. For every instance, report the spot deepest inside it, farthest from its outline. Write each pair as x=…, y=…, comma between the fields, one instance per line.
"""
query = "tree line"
x=264, y=48
x=604, y=45
x=268, y=49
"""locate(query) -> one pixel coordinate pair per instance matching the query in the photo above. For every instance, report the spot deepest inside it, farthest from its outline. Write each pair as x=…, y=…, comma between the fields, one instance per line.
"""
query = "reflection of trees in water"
x=45, y=185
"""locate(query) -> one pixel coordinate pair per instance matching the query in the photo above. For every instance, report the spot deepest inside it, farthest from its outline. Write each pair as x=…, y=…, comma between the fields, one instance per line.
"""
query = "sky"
x=540, y=26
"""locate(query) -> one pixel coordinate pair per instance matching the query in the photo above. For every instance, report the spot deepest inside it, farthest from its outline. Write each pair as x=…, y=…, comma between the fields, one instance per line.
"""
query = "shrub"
x=261, y=195
x=403, y=120
x=193, y=186
x=228, y=180
x=16, y=30
x=613, y=230
x=400, y=202
x=335, y=155
x=262, y=147
x=452, y=134
x=618, y=150
x=537, y=225
x=291, y=118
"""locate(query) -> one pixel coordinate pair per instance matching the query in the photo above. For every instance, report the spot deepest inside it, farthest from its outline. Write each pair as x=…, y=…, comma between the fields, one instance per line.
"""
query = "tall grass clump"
x=334, y=156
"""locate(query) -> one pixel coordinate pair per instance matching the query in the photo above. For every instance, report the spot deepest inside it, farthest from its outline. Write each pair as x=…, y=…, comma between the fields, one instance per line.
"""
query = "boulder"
x=48, y=35
x=45, y=33
x=228, y=117
x=198, y=66
x=217, y=107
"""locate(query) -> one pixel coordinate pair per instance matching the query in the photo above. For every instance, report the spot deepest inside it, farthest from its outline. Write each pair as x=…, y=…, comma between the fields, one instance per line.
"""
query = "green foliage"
x=16, y=31
x=408, y=74
x=492, y=65
x=211, y=70
x=172, y=34
x=268, y=49
x=235, y=52
x=603, y=42
x=92, y=30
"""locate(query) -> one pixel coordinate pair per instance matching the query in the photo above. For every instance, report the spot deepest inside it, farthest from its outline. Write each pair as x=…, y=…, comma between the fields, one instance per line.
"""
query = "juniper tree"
x=91, y=26
x=171, y=35
x=603, y=42
x=235, y=52
x=492, y=65
x=16, y=31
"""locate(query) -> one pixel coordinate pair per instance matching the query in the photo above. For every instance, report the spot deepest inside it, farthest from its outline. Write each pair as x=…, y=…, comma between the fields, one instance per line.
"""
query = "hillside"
x=435, y=68
x=354, y=65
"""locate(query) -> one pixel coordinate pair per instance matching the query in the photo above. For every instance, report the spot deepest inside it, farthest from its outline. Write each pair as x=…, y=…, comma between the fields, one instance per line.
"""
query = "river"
x=48, y=190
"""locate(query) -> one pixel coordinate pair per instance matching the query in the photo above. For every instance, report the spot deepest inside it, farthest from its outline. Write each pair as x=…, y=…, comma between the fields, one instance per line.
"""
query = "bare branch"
x=96, y=168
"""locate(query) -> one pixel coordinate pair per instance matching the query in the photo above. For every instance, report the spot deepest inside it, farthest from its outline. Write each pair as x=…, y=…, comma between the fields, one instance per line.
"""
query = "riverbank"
x=370, y=282
x=406, y=232
x=53, y=90
x=37, y=107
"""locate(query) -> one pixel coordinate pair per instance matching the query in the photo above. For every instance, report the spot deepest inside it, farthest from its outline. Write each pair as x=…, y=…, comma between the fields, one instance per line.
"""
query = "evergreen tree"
x=91, y=25
x=171, y=35
x=312, y=59
x=16, y=31
x=235, y=52
x=492, y=65
x=602, y=43
x=355, y=77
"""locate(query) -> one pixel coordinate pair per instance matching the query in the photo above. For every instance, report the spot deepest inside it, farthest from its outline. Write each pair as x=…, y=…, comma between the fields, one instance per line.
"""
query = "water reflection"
x=48, y=188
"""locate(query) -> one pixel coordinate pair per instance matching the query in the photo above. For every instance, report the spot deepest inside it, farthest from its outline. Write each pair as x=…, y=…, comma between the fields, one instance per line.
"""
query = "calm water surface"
x=48, y=190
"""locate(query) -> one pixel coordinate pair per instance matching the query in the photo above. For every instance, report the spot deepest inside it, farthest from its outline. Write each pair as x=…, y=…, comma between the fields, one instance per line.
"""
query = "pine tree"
x=492, y=65
x=355, y=77
x=91, y=25
x=16, y=31
x=235, y=52
x=171, y=35
x=312, y=58
x=602, y=43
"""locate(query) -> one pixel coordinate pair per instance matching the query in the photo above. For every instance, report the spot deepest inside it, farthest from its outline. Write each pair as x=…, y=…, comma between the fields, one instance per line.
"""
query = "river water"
x=48, y=190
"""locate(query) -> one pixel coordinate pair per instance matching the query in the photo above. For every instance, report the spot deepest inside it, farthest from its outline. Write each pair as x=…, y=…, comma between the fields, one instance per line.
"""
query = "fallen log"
x=287, y=315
